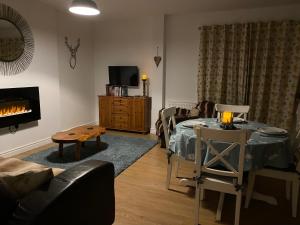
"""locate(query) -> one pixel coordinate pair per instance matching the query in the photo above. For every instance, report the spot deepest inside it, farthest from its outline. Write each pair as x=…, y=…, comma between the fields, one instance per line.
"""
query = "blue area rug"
x=120, y=150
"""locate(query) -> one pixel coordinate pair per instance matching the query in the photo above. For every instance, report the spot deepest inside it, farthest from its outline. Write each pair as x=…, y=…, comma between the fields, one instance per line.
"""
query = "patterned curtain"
x=274, y=72
x=253, y=63
x=224, y=52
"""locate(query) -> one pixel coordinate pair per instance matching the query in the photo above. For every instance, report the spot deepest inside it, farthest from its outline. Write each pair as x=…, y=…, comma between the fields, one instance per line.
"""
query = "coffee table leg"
x=77, y=152
x=60, y=149
x=98, y=141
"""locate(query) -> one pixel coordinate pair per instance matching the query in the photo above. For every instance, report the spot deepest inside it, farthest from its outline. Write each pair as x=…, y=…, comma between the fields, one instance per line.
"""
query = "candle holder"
x=144, y=87
x=227, y=121
x=144, y=79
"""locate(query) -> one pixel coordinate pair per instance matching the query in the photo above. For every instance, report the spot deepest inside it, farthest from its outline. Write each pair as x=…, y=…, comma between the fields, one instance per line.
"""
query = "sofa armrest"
x=81, y=195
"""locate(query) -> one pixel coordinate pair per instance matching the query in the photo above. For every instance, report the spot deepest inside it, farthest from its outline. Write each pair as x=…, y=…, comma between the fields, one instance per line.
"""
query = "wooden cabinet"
x=105, y=111
x=125, y=113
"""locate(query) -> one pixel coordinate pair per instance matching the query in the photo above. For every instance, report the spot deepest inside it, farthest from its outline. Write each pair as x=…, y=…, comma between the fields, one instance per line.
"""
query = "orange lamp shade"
x=227, y=117
x=144, y=77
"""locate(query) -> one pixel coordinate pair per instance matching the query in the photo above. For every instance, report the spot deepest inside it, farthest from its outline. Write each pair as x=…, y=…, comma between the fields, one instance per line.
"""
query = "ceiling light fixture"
x=84, y=7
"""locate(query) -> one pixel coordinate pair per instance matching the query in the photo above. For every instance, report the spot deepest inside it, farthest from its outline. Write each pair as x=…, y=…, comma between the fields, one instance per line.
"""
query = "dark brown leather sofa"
x=82, y=195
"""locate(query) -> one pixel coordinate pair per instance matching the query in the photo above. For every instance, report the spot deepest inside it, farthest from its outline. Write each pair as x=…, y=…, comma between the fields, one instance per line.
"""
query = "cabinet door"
x=105, y=111
x=137, y=114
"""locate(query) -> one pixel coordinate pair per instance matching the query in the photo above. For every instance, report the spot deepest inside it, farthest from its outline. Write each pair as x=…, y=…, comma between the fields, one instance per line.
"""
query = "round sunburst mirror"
x=16, y=42
x=11, y=41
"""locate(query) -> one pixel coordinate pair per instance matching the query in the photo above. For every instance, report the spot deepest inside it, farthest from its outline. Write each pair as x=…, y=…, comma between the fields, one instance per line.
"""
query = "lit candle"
x=144, y=77
x=227, y=117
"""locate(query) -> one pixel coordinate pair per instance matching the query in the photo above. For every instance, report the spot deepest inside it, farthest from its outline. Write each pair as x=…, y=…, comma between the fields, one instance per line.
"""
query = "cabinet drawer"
x=120, y=102
x=120, y=118
x=120, y=109
x=121, y=126
x=120, y=121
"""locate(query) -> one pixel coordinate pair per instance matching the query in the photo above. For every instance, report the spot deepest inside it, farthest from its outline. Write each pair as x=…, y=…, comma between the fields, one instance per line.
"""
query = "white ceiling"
x=116, y=9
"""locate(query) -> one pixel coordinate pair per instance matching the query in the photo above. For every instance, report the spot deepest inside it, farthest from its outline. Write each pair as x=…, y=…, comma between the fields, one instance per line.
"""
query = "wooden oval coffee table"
x=78, y=135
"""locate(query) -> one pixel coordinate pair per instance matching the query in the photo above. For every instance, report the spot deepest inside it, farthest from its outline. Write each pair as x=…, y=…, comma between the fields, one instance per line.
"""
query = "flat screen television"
x=123, y=76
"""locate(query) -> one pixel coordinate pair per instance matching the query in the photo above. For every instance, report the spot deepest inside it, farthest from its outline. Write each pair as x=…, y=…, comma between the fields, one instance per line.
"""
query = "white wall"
x=182, y=44
x=49, y=70
x=76, y=86
x=130, y=42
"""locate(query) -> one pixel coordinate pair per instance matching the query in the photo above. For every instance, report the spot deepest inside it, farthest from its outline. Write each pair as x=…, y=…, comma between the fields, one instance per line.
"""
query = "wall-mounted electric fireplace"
x=19, y=105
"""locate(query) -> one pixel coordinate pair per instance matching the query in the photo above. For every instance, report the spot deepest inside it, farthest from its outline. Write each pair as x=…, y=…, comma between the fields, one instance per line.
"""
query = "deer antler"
x=78, y=44
x=73, y=52
x=67, y=44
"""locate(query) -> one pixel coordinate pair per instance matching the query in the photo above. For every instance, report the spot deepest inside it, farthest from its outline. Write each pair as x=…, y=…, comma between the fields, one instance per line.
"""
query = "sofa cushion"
x=22, y=177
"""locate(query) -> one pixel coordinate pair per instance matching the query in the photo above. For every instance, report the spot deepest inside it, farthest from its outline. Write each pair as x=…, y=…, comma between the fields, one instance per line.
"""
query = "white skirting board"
x=14, y=151
x=27, y=147
x=152, y=131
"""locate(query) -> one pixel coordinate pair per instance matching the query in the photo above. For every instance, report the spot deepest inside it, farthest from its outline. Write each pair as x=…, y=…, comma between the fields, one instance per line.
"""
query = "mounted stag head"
x=73, y=51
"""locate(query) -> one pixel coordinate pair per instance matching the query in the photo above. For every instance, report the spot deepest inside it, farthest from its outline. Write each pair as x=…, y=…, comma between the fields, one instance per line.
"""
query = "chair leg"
x=288, y=189
x=202, y=194
x=238, y=207
x=251, y=181
x=220, y=206
x=177, y=166
x=169, y=170
x=197, y=203
x=295, y=195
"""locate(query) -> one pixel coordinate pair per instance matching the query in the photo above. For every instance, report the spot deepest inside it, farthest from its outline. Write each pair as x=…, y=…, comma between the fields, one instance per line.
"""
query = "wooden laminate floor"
x=142, y=199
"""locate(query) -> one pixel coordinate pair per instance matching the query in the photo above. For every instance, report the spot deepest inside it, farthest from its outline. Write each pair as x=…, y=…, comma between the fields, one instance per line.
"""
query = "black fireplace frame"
x=28, y=93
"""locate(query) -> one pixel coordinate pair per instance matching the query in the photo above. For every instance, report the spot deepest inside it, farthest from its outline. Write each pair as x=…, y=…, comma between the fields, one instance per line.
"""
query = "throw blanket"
x=204, y=109
x=22, y=176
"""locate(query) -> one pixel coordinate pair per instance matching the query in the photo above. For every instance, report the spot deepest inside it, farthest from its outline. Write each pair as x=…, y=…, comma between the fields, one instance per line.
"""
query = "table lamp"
x=144, y=79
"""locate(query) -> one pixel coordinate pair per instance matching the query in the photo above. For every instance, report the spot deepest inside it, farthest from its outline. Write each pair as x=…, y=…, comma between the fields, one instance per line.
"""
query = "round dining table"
x=261, y=149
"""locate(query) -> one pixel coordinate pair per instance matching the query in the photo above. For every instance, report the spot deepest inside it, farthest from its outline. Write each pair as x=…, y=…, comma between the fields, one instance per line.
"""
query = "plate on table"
x=274, y=131
x=239, y=120
x=192, y=123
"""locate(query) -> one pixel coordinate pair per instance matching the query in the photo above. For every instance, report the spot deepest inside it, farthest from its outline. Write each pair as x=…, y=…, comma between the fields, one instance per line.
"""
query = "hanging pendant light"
x=84, y=7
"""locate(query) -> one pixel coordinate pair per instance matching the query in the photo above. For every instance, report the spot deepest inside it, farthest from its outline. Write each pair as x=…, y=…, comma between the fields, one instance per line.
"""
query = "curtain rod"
x=257, y=22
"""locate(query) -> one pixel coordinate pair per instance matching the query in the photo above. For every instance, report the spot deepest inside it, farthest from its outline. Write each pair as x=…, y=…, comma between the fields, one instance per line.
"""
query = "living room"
x=127, y=33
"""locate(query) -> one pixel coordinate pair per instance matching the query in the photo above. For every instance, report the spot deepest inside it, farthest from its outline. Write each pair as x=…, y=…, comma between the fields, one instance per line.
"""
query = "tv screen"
x=123, y=75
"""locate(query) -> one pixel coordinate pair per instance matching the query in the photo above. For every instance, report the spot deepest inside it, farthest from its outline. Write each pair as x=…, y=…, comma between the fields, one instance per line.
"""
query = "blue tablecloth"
x=261, y=150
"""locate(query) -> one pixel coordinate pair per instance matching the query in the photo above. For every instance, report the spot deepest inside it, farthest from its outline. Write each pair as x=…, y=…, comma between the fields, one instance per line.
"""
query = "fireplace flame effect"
x=13, y=110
